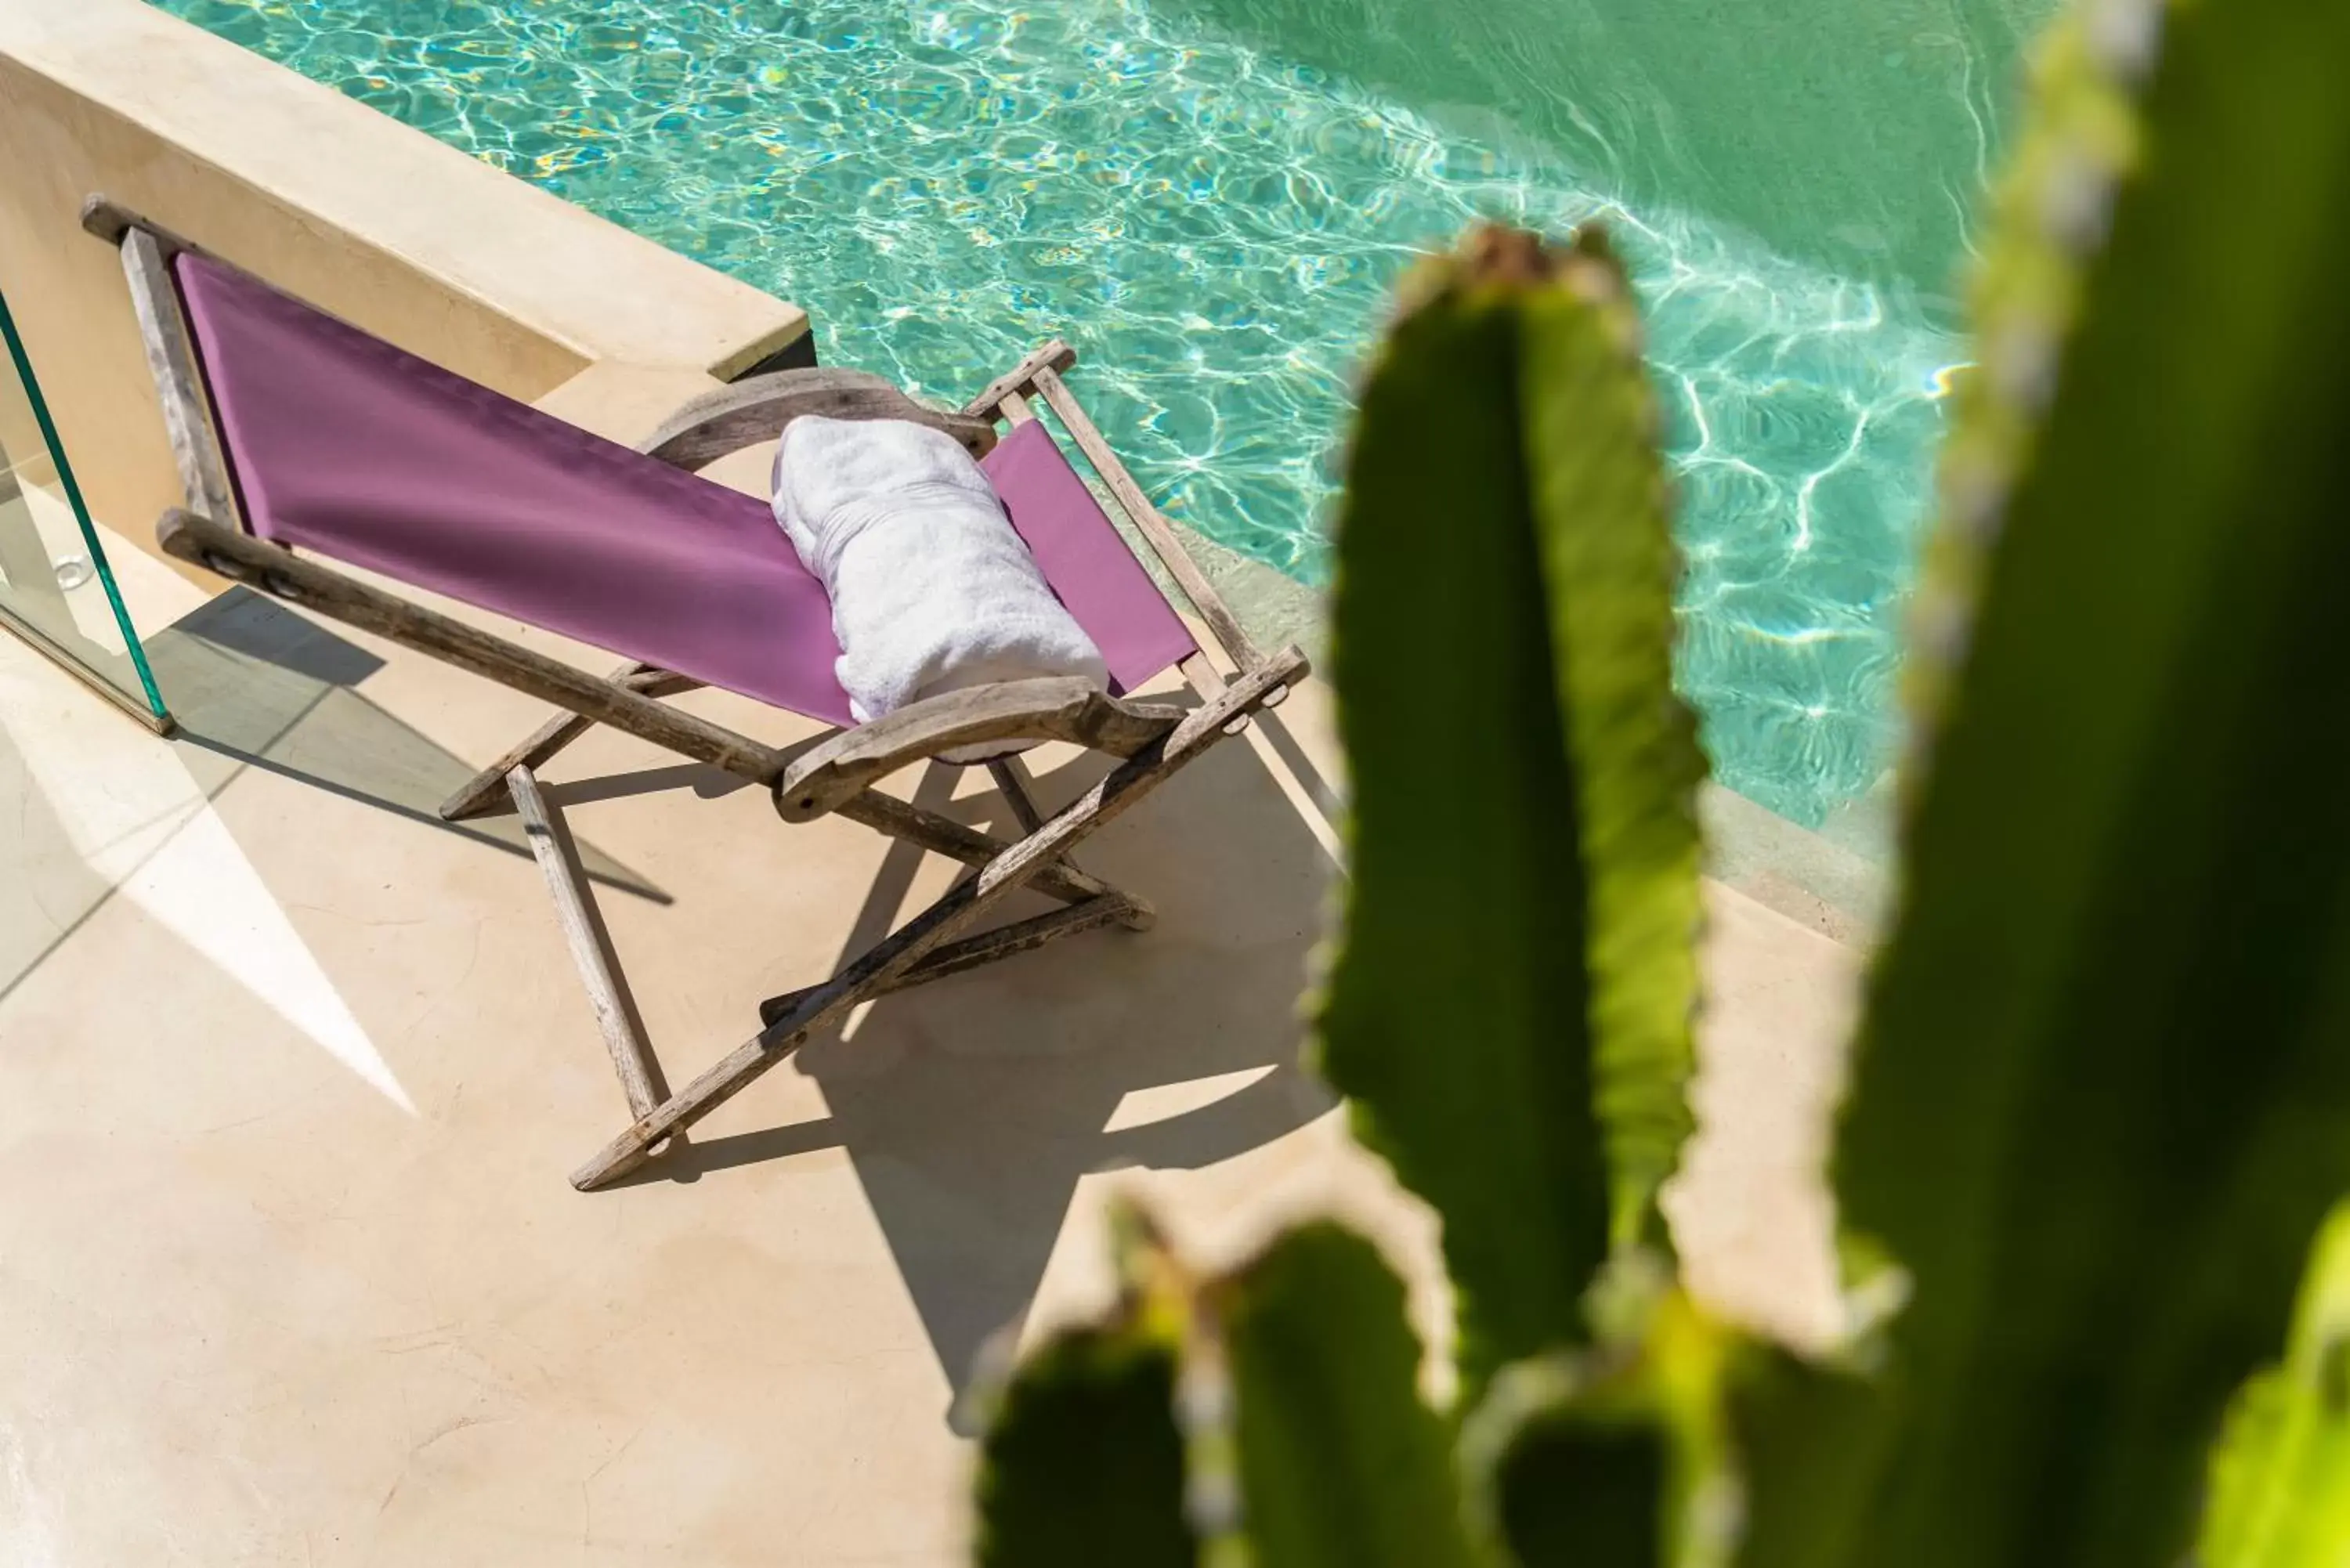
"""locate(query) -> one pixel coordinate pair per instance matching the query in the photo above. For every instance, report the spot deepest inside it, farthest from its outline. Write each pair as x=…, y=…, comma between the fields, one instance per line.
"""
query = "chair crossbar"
x=971, y=952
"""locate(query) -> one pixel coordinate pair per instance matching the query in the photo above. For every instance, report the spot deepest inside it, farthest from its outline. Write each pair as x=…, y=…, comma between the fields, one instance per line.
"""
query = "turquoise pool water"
x=1215, y=223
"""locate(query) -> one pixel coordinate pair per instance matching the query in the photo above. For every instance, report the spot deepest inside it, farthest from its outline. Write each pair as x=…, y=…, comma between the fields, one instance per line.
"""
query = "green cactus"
x=2102, y=1098
x=1341, y=1463
x=2280, y=1482
x=1614, y=1453
x=1524, y=790
x=1566, y=1476
x=1083, y=1448
x=2103, y=1092
x=1509, y=1012
x=1308, y=1442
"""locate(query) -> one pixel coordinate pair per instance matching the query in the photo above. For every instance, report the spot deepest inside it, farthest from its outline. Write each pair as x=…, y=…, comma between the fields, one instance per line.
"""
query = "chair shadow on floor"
x=971, y=1107
x=254, y=685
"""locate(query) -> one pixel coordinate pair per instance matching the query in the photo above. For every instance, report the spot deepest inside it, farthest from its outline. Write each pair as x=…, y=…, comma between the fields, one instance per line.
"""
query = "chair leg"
x=486, y=794
x=884, y=966
x=590, y=943
x=1013, y=782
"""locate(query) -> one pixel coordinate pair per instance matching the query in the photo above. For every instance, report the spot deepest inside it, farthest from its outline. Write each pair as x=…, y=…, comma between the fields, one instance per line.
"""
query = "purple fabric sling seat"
x=344, y=445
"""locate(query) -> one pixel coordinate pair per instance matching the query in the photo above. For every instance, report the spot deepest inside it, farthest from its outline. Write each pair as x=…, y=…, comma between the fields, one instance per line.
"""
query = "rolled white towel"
x=931, y=589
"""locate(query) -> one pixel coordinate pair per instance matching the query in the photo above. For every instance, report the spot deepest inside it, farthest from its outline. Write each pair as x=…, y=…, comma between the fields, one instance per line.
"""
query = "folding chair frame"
x=1150, y=741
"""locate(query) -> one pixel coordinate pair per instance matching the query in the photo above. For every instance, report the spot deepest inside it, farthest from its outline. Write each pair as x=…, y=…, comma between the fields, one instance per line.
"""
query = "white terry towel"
x=931, y=589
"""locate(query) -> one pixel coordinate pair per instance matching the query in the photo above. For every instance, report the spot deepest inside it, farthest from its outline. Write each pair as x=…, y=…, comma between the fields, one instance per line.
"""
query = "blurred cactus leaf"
x=1083, y=1461
x=1570, y=1488
x=2280, y=1490
x=1342, y=1463
x=1612, y=1455
x=2103, y=1091
x=1795, y=1425
x=1522, y=778
x=1604, y=517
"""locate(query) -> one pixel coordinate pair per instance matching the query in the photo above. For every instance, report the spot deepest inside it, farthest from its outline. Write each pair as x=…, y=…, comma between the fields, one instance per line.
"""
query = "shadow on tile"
x=971, y=1107
x=254, y=685
x=48, y=889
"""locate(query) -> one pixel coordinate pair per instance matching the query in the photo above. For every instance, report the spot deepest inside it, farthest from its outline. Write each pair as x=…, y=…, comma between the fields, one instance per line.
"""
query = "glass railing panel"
x=57, y=590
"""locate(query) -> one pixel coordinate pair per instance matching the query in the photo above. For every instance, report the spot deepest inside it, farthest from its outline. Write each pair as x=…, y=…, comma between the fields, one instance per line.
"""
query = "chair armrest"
x=1056, y=708
x=731, y=417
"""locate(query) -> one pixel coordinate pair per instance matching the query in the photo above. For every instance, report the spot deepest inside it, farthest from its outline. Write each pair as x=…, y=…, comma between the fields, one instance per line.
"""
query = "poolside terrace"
x=292, y=1071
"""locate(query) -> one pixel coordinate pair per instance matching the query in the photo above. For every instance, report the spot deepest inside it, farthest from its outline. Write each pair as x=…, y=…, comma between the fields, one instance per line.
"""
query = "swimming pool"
x=1215, y=221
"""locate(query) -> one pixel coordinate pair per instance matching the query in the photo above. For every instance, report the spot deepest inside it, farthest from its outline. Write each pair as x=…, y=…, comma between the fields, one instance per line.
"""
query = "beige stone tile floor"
x=291, y=1075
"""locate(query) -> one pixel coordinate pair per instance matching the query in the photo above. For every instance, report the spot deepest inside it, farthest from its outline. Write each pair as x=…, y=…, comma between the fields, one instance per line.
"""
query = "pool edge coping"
x=583, y=283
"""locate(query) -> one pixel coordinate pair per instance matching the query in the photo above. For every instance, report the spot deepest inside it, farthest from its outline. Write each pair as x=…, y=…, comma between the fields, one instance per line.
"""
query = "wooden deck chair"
x=295, y=430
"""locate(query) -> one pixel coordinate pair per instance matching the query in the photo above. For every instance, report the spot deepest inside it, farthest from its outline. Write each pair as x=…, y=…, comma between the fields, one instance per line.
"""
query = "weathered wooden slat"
x=1012, y=781
x=1052, y=355
x=972, y=953
x=179, y=386
x=944, y=835
x=111, y=221
x=1054, y=708
x=1224, y=625
x=1008, y=773
x=599, y=969
x=283, y=574
x=1201, y=671
x=729, y=419
x=486, y=794
x=1016, y=410
x=962, y=904
x=799, y=354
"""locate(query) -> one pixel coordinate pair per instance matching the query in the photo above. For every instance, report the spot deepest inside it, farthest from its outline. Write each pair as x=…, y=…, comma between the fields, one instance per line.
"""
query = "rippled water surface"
x=1216, y=228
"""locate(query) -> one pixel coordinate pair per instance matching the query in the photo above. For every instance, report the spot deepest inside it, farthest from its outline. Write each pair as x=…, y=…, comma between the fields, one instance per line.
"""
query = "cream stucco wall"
x=412, y=240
